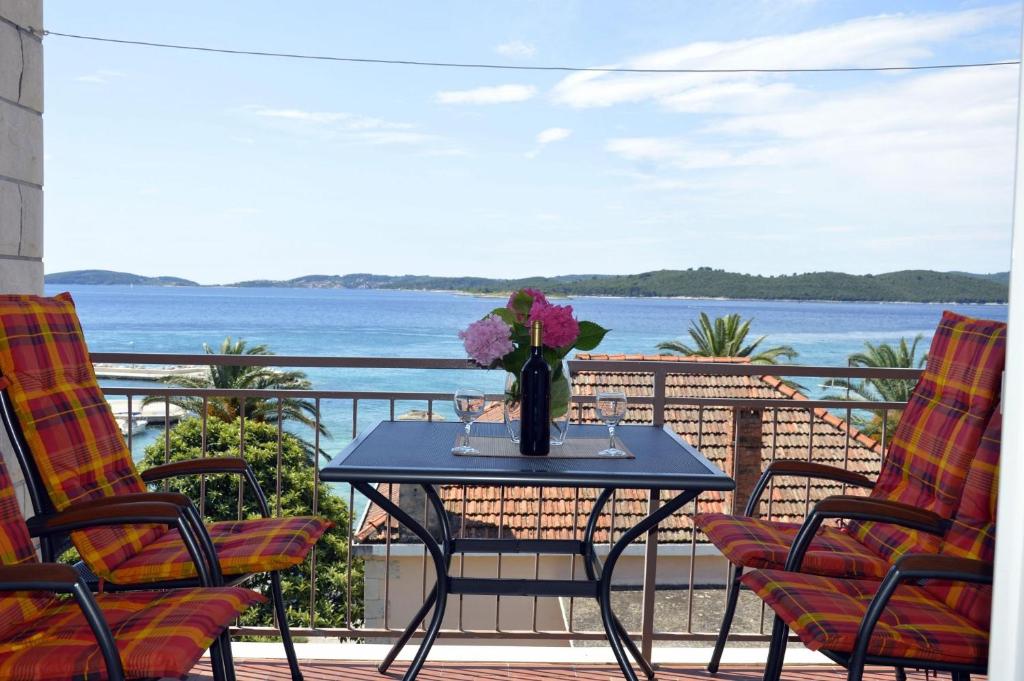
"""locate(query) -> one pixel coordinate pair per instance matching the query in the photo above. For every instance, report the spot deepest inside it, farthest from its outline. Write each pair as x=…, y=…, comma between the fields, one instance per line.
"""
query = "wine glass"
x=611, y=409
x=469, y=406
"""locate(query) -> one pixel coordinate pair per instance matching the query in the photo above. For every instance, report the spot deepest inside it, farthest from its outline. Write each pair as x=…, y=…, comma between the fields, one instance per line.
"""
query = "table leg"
x=613, y=628
x=440, y=556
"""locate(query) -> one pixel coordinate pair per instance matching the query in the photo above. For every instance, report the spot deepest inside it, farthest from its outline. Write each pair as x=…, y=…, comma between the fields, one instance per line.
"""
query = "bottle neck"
x=536, y=343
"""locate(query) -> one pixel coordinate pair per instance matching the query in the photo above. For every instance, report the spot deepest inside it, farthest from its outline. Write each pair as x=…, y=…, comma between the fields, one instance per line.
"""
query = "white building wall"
x=21, y=161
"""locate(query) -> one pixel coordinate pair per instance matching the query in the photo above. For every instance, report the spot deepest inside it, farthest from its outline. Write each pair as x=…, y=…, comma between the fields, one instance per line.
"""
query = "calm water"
x=425, y=324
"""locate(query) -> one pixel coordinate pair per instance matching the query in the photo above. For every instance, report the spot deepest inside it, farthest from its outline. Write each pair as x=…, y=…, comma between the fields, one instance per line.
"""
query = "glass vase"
x=561, y=404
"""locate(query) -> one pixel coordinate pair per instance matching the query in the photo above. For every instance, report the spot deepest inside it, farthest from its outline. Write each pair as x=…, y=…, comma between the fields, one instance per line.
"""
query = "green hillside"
x=106, y=277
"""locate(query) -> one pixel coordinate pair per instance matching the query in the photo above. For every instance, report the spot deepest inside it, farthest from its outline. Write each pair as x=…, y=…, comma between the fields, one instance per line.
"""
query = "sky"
x=221, y=168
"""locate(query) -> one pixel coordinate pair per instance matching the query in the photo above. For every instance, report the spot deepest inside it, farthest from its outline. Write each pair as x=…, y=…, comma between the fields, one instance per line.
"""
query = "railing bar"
x=387, y=558
x=355, y=416
x=501, y=527
x=202, y=453
x=280, y=437
x=536, y=557
x=241, y=453
x=810, y=457
x=462, y=557
x=130, y=420
x=423, y=556
x=572, y=557
x=700, y=426
x=348, y=557
x=693, y=560
x=392, y=410
x=430, y=410
x=167, y=437
x=316, y=508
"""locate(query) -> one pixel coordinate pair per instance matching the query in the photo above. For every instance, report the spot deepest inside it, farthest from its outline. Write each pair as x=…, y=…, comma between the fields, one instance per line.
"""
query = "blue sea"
x=337, y=322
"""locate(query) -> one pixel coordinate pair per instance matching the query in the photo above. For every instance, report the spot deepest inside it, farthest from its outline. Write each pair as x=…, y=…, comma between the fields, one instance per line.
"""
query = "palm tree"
x=726, y=337
x=261, y=409
x=903, y=355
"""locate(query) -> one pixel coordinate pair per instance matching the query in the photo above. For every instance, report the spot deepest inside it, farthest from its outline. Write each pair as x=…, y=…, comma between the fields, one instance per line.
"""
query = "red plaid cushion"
x=826, y=613
x=756, y=543
x=973, y=532
x=81, y=454
x=243, y=547
x=158, y=634
x=67, y=422
x=15, y=548
x=940, y=429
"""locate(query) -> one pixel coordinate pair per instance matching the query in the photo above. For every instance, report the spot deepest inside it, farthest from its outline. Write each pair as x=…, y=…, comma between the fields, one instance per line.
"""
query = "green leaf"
x=560, y=394
x=521, y=303
x=505, y=314
x=590, y=337
x=514, y=361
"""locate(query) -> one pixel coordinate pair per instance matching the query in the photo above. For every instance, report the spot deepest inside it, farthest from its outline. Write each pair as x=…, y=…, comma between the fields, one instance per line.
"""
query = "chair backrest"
x=972, y=533
x=938, y=434
x=66, y=422
x=15, y=549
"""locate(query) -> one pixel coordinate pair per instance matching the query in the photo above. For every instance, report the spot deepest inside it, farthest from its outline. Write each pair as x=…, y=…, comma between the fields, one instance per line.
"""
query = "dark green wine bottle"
x=535, y=383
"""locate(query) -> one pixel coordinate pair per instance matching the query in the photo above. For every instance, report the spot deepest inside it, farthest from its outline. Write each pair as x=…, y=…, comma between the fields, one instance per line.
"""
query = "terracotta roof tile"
x=787, y=433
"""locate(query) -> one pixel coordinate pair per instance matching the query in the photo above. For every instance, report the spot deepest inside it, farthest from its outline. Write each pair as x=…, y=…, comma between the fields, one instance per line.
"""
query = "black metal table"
x=419, y=453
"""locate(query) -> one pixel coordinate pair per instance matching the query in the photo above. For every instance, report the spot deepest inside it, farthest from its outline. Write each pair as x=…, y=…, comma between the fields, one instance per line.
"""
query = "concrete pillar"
x=21, y=147
x=21, y=165
x=746, y=461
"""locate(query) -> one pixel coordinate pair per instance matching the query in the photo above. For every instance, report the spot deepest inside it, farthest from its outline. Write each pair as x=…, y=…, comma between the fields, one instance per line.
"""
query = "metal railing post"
x=650, y=580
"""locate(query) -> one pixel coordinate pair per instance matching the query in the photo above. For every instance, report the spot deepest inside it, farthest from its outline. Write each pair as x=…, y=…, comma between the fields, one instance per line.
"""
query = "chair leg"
x=777, y=651
x=901, y=674
x=282, y=623
x=217, y=663
x=730, y=611
x=229, y=660
x=961, y=676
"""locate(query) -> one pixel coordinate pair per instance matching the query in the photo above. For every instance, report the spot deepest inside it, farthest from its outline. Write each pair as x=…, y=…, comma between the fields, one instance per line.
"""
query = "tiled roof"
x=786, y=434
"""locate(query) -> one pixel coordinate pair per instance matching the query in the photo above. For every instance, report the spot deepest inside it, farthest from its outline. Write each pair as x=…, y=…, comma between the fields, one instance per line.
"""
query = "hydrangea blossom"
x=487, y=340
x=558, y=326
x=538, y=299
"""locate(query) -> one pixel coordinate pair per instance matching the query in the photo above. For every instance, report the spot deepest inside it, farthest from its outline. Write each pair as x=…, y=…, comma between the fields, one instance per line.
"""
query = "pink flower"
x=538, y=299
x=487, y=340
x=558, y=326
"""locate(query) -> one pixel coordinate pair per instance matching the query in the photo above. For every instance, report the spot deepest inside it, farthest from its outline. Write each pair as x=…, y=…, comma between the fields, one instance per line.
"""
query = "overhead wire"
x=521, y=67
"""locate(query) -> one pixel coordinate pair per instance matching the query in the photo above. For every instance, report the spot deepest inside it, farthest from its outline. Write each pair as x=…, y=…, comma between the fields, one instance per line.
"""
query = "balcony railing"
x=360, y=407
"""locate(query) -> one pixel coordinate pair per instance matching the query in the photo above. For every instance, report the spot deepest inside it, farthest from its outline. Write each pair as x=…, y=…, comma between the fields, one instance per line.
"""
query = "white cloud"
x=891, y=40
x=100, y=77
x=517, y=49
x=497, y=94
x=553, y=135
x=344, y=126
x=342, y=119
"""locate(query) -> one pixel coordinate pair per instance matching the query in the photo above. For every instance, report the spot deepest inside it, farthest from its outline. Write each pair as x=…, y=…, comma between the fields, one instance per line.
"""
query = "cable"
x=515, y=67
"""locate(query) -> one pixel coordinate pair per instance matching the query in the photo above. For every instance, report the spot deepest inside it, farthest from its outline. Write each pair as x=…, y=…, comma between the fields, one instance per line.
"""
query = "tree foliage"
x=727, y=337
x=258, y=409
x=902, y=355
x=222, y=439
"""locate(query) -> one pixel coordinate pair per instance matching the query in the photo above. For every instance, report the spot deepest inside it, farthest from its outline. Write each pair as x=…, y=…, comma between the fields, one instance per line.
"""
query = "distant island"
x=918, y=286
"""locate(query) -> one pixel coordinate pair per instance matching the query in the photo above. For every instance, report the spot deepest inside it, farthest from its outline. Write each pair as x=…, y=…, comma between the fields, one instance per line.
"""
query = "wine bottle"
x=535, y=384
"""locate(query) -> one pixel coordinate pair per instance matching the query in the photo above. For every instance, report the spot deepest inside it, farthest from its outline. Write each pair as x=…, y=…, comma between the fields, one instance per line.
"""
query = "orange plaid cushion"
x=82, y=455
x=973, y=532
x=940, y=429
x=158, y=634
x=67, y=422
x=245, y=546
x=826, y=613
x=15, y=548
x=756, y=543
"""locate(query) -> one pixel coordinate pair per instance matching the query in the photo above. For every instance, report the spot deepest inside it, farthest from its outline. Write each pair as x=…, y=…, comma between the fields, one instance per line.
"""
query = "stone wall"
x=21, y=146
x=21, y=162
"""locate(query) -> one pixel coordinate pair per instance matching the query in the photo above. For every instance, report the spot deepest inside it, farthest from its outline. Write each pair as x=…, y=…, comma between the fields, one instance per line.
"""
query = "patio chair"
x=925, y=467
x=931, y=611
x=72, y=452
x=53, y=627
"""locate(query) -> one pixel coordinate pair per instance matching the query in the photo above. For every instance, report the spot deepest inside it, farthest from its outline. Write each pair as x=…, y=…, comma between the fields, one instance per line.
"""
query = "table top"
x=420, y=452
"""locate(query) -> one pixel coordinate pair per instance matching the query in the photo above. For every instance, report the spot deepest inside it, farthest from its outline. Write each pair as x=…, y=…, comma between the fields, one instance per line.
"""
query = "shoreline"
x=499, y=295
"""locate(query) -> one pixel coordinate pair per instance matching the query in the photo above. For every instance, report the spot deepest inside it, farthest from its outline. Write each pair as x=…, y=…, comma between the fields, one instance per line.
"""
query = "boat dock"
x=142, y=372
x=142, y=416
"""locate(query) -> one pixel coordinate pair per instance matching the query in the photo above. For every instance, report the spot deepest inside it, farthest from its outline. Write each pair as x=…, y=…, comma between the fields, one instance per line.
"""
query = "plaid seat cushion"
x=939, y=432
x=245, y=546
x=158, y=634
x=67, y=423
x=826, y=613
x=15, y=548
x=973, y=532
x=756, y=543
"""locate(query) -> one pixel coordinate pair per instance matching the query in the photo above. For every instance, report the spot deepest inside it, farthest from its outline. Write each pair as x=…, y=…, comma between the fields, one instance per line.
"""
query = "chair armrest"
x=95, y=514
x=212, y=464
x=864, y=509
x=64, y=579
x=922, y=566
x=803, y=469
x=38, y=577
x=911, y=568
